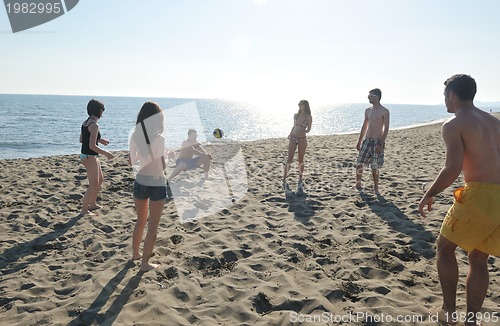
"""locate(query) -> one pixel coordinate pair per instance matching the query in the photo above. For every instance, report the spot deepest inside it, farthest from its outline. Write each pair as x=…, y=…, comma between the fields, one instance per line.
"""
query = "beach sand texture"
x=262, y=261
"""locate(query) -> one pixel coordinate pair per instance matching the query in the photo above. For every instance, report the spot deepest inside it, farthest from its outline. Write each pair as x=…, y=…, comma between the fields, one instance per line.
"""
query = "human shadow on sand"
x=91, y=315
x=422, y=240
x=37, y=248
x=302, y=206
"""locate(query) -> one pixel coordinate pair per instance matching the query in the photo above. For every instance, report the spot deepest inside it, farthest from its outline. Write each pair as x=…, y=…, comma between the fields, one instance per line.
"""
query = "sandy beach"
x=331, y=255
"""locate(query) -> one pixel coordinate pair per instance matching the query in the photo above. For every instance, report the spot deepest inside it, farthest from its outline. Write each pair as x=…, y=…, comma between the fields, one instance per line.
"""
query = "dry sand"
x=267, y=260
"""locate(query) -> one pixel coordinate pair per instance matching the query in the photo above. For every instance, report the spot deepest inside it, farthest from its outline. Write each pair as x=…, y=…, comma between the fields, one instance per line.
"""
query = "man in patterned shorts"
x=371, y=149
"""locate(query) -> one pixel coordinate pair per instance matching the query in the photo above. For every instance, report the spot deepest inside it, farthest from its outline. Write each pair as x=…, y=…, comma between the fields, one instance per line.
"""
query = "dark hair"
x=306, y=107
x=377, y=91
x=154, y=126
x=191, y=131
x=148, y=110
x=463, y=85
x=94, y=108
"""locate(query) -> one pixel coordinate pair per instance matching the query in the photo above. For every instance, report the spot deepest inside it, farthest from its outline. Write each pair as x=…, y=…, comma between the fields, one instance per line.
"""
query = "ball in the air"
x=218, y=133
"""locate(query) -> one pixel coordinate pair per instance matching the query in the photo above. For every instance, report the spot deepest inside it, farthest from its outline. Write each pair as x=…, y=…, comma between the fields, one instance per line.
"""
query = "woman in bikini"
x=90, y=137
x=297, y=139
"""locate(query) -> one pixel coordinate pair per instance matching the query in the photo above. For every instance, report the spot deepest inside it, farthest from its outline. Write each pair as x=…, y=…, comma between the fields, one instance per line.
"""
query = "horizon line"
x=496, y=102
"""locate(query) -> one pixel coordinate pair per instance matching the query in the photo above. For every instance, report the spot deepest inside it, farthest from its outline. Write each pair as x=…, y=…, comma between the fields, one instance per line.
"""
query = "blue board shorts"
x=191, y=164
x=152, y=192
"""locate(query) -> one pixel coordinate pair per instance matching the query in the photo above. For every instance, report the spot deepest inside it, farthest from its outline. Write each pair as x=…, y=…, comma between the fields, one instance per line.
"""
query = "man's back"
x=480, y=134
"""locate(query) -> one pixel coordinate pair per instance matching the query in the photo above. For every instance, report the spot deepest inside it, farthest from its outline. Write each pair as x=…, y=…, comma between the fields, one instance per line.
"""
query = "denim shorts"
x=84, y=156
x=153, y=193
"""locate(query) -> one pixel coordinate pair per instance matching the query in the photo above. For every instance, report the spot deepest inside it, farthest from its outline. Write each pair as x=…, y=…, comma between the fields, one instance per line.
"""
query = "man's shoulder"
x=452, y=124
x=383, y=109
x=377, y=109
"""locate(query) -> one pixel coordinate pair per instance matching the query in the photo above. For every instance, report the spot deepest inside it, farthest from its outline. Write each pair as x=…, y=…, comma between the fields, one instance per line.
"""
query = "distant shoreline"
x=416, y=126
x=245, y=141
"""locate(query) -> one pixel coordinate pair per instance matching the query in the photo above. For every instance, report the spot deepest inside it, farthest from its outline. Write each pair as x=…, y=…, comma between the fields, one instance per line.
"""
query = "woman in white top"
x=147, y=148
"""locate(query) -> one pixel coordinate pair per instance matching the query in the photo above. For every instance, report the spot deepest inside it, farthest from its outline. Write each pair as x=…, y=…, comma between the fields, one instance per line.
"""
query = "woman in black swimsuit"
x=90, y=137
x=302, y=125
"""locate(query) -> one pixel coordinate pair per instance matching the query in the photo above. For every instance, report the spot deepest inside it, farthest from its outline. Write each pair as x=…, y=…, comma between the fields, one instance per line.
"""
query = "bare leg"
x=205, y=162
x=291, y=152
x=181, y=167
x=93, y=205
x=359, y=174
x=92, y=167
x=448, y=273
x=141, y=208
x=155, y=211
x=477, y=282
x=302, y=146
x=375, y=174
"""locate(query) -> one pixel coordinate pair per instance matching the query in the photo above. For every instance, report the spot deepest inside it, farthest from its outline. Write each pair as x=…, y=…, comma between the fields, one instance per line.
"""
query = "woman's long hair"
x=307, y=109
x=152, y=125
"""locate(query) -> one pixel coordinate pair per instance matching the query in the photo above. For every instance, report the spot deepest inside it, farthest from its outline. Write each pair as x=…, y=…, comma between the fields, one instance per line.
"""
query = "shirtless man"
x=371, y=149
x=472, y=139
x=187, y=159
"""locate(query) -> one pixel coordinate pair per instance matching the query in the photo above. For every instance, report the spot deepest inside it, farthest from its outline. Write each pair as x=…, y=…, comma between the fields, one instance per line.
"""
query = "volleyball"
x=218, y=133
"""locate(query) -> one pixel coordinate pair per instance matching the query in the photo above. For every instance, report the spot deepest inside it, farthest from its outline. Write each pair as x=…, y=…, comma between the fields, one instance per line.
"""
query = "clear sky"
x=326, y=51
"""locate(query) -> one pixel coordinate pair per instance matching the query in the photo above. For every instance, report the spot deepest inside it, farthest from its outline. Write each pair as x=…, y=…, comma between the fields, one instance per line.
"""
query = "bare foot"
x=376, y=191
x=442, y=317
x=148, y=267
x=88, y=213
x=136, y=257
x=93, y=208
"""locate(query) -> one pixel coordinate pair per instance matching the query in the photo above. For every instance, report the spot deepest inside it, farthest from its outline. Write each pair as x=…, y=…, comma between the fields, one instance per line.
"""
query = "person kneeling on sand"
x=191, y=156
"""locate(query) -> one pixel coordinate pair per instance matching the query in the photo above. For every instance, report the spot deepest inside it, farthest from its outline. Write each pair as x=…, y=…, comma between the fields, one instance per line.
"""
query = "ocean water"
x=46, y=125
